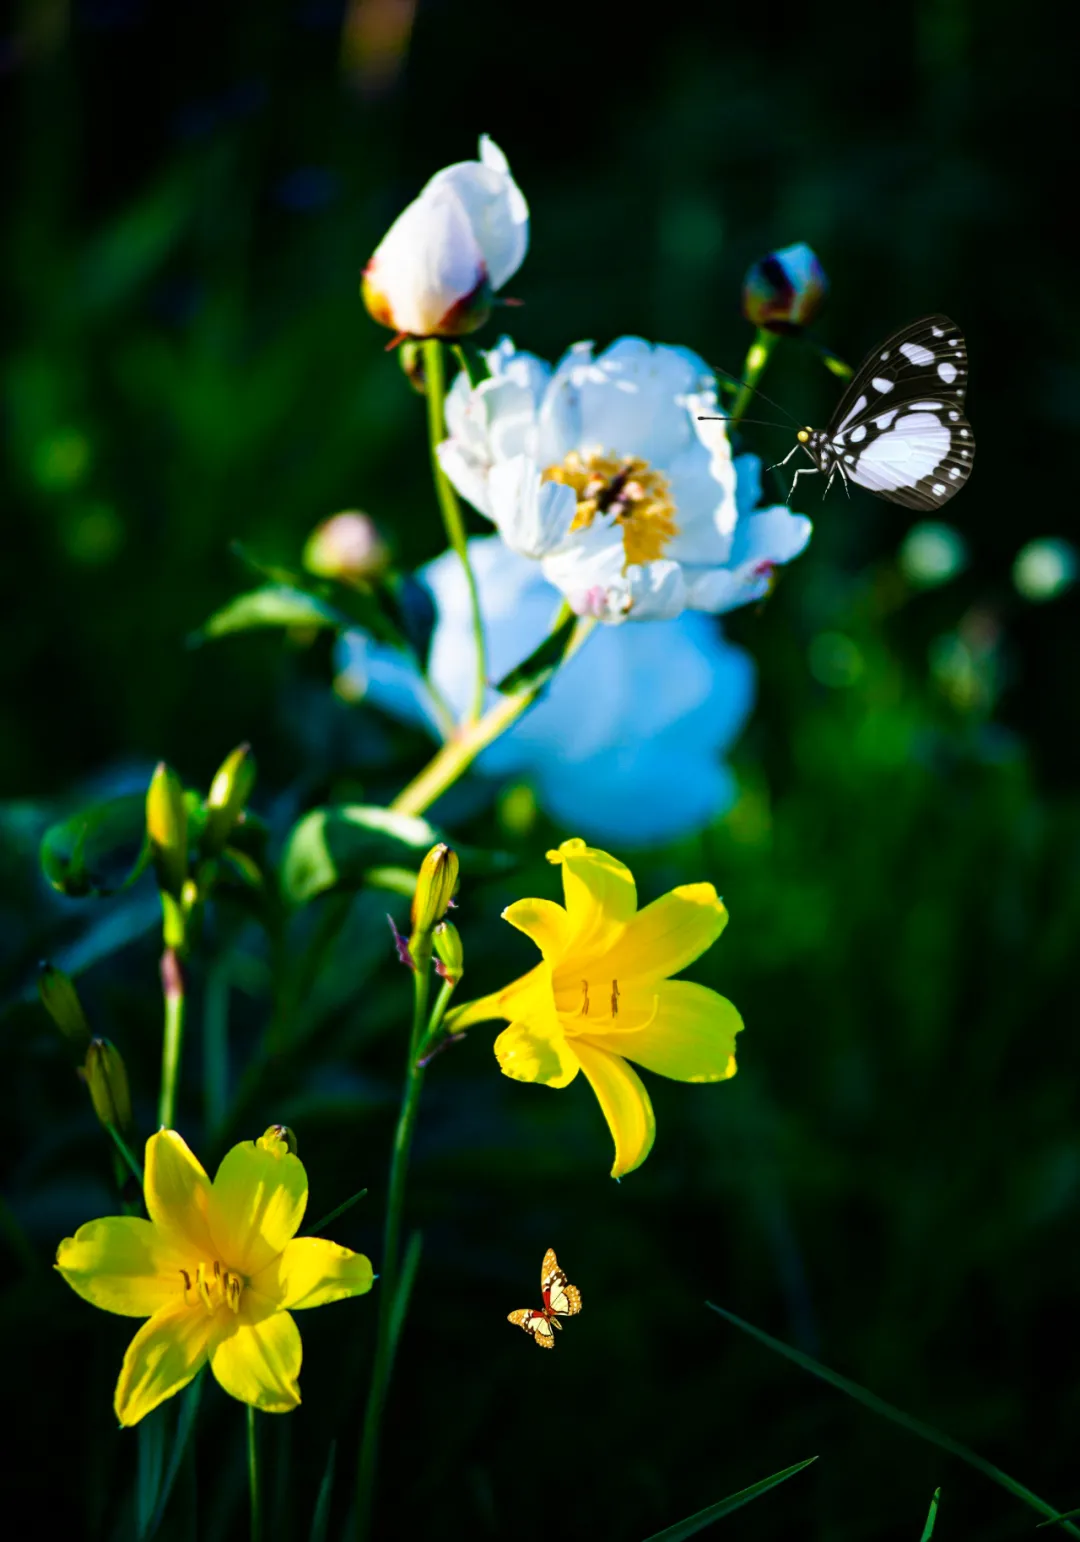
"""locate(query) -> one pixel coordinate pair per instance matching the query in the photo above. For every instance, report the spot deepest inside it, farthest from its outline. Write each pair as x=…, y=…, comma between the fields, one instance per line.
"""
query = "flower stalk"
x=253, y=1476
x=454, y=758
x=450, y=508
x=757, y=357
x=173, y=989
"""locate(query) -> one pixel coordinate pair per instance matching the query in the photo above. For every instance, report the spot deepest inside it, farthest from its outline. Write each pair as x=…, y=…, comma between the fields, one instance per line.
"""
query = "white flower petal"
x=533, y=517
x=496, y=207
x=771, y=535
x=468, y=474
x=657, y=590
x=428, y=262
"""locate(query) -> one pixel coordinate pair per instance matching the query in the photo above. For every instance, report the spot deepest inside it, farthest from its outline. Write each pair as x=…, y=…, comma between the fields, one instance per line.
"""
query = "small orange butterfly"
x=561, y=1299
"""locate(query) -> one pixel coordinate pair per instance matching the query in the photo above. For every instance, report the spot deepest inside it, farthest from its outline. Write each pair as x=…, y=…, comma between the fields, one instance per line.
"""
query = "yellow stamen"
x=585, y=1003
x=627, y=488
x=614, y=998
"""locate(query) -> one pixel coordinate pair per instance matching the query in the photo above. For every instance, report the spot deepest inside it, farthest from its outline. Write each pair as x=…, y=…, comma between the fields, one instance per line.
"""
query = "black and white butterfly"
x=899, y=429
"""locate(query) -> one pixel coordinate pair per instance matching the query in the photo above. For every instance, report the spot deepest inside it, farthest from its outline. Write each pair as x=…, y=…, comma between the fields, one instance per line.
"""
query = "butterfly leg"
x=777, y=464
x=803, y=471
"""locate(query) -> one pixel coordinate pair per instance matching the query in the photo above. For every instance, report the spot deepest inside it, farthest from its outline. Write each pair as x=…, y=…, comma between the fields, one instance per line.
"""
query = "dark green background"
x=892, y=1181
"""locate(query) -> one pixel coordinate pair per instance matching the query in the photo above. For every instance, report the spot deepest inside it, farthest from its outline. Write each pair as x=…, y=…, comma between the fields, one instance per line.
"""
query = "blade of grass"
x=332, y=1215
x=1054, y=1519
x=716, y=1512
x=928, y=1529
x=878, y=1405
x=321, y=1518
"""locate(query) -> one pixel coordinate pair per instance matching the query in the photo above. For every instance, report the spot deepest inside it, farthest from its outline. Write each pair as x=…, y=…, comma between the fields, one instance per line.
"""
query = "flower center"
x=213, y=1286
x=627, y=489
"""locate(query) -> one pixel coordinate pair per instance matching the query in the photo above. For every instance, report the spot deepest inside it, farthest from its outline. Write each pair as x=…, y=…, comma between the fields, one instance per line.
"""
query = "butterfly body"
x=561, y=1299
x=899, y=429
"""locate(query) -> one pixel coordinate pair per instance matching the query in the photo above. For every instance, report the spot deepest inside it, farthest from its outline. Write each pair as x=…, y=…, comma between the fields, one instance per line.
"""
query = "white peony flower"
x=636, y=711
x=436, y=270
x=601, y=470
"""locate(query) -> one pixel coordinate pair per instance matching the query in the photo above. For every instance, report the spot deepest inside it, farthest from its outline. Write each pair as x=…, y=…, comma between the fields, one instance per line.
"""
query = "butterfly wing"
x=536, y=1324
x=559, y=1295
x=899, y=430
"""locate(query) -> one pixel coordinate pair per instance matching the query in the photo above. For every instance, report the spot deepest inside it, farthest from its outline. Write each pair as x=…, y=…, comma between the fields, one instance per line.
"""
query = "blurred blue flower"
x=625, y=746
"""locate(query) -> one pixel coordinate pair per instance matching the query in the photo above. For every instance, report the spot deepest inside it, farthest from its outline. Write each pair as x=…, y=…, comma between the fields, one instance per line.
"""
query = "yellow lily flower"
x=603, y=994
x=217, y=1269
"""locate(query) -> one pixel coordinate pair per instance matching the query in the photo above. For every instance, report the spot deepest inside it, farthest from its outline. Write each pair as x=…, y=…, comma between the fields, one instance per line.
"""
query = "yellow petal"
x=311, y=1272
x=624, y=1103
x=545, y=922
x=256, y=1205
x=122, y=1264
x=257, y=1356
x=667, y=935
x=600, y=893
x=691, y=1038
x=522, y=998
x=161, y=1359
x=536, y=1052
x=177, y=1191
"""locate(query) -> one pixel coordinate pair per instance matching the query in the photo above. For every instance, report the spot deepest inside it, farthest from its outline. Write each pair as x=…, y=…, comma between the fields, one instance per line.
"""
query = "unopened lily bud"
x=435, y=885
x=785, y=290
x=346, y=547
x=228, y=795
x=450, y=953
x=435, y=272
x=279, y=1140
x=105, y=1075
x=166, y=822
x=61, y=1000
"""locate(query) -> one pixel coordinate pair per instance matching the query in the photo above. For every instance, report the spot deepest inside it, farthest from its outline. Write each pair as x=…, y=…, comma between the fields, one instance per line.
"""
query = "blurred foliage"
x=892, y=1180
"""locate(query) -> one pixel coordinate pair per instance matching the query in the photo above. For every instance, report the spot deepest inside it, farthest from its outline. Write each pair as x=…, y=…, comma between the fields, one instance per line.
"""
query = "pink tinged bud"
x=435, y=271
x=785, y=290
x=348, y=547
x=450, y=955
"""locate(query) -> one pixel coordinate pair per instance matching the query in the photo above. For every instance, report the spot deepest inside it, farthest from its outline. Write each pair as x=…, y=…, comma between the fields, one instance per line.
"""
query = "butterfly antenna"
x=720, y=417
x=757, y=392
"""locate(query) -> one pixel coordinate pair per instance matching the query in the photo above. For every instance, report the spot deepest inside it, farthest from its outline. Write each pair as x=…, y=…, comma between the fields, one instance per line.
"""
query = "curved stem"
x=435, y=384
x=395, y=1205
x=455, y=757
x=172, y=984
x=757, y=356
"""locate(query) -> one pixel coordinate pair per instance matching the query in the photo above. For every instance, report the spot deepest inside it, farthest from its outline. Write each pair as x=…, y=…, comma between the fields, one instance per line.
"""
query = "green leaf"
x=1054, y=1519
x=321, y=1518
x=332, y=848
x=703, y=1518
x=878, y=1405
x=332, y=1215
x=273, y=605
x=189, y=1408
x=928, y=1529
x=472, y=362
x=542, y=663
x=98, y=851
x=406, y=1280
x=384, y=608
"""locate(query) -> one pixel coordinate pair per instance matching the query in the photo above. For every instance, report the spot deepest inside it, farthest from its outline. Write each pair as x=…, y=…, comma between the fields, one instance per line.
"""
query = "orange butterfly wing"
x=559, y=1295
x=536, y=1324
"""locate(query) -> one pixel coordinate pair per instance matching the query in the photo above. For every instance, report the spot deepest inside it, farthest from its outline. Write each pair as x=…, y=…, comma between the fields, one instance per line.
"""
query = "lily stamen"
x=614, y=998
x=585, y=1003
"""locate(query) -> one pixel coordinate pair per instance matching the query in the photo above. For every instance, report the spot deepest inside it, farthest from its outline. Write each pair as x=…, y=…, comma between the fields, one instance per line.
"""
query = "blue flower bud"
x=784, y=291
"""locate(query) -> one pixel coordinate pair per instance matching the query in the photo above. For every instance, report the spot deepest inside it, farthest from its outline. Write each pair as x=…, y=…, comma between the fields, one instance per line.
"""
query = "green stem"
x=253, y=1476
x=757, y=356
x=450, y=762
x=435, y=391
x=395, y=1204
x=172, y=984
x=126, y=1153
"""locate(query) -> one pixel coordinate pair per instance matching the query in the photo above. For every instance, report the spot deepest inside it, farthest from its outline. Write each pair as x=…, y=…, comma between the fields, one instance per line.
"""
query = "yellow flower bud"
x=435, y=885
x=61, y=1000
x=229, y=792
x=450, y=952
x=105, y=1075
x=279, y=1140
x=166, y=822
